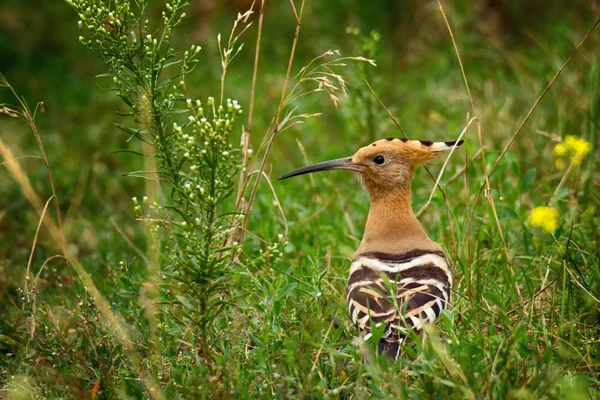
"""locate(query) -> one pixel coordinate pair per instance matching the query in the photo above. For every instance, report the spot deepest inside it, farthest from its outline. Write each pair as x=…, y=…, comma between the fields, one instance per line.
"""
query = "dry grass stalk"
x=56, y=230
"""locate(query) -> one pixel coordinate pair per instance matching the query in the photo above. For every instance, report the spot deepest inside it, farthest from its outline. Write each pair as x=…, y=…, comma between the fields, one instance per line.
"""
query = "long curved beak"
x=340, y=163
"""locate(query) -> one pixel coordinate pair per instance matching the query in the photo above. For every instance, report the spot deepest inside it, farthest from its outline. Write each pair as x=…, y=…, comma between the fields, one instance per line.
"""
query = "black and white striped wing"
x=401, y=292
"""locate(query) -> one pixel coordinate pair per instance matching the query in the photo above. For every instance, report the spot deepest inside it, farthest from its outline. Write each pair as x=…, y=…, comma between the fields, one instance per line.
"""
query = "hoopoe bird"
x=399, y=278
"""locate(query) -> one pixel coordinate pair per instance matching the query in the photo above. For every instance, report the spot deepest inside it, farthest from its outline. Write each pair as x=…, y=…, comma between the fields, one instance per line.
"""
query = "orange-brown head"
x=384, y=165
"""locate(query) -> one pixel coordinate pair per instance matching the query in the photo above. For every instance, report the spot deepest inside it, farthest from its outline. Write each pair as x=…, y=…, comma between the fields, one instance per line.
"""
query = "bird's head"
x=385, y=164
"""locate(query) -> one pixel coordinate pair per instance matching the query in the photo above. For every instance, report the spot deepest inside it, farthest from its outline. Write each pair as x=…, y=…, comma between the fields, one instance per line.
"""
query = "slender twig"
x=437, y=181
x=298, y=18
x=277, y=202
x=130, y=242
x=462, y=68
x=561, y=183
x=530, y=112
x=485, y=185
x=387, y=110
x=247, y=134
x=28, y=117
x=35, y=238
x=462, y=170
x=314, y=365
x=275, y=129
x=442, y=191
x=487, y=182
x=536, y=294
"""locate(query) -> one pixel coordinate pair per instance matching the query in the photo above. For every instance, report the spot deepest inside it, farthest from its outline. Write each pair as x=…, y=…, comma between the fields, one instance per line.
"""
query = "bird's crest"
x=414, y=152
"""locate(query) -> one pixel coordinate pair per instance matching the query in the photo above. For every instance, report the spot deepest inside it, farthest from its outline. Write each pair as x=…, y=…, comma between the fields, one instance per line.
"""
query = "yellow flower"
x=578, y=145
x=560, y=149
x=545, y=218
x=573, y=148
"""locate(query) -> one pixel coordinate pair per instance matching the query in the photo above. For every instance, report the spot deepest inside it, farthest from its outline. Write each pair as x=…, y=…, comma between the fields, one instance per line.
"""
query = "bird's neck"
x=391, y=226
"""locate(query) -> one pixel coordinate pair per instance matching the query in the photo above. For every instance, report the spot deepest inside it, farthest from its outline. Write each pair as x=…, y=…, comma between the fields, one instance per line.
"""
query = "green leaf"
x=287, y=289
x=184, y=301
x=506, y=212
x=171, y=63
x=127, y=101
x=275, y=344
x=146, y=175
x=137, y=133
x=128, y=151
x=498, y=301
x=495, y=299
x=126, y=281
x=126, y=294
x=528, y=179
x=276, y=307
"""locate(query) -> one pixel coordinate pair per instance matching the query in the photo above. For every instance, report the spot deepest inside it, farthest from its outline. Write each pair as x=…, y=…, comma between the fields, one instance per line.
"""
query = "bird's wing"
x=399, y=293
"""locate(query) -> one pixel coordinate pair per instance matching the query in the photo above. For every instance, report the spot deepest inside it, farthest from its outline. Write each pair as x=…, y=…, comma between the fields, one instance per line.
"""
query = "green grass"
x=525, y=327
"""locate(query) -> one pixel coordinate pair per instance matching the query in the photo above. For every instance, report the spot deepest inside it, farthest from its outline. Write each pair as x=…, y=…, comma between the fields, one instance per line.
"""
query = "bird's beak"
x=340, y=163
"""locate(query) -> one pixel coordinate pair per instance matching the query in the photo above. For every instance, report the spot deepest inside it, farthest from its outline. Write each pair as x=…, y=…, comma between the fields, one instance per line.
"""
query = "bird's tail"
x=390, y=349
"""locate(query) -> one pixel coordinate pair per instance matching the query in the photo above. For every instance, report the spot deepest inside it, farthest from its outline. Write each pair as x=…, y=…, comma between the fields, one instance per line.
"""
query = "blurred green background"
x=510, y=51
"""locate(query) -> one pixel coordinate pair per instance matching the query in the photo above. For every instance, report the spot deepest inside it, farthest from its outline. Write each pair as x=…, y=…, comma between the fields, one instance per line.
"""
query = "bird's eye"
x=379, y=160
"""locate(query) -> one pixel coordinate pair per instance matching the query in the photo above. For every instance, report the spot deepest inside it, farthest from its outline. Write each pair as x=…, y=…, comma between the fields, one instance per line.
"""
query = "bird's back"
x=400, y=291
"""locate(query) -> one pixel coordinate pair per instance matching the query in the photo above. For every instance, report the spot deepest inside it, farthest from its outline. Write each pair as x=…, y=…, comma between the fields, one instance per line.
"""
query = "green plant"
x=192, y=147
